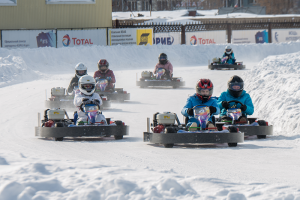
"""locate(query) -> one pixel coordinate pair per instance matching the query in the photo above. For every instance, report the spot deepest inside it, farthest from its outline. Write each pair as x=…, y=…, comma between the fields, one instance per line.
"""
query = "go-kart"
x=165, y=131
x=115, y=94
x=219, y=63
x=250, y=126
x=61, y=99
x=57, y=124
x=162, y=78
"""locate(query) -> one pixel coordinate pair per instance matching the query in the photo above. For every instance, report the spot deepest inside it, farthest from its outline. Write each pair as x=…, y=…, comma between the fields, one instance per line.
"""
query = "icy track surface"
x=102, y=168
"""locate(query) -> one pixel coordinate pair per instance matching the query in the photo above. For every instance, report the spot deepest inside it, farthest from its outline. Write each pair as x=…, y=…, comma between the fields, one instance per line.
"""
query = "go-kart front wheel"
x=232, y=144
x=118, y=137
x=261, y=136
x=59, y=139
x=168, y=145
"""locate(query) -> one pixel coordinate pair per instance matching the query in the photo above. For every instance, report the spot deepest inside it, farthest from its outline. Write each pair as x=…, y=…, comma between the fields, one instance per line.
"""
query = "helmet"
x=201, y=86
x=80, y=70
x=228, y=50
x=87, y=84
x=103, y=65
x=235, y=86
x=163, y=58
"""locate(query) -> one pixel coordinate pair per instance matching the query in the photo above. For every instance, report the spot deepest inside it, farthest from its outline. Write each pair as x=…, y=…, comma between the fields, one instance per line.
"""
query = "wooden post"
x=270, y=32
x=182, y=34
x=229, y=32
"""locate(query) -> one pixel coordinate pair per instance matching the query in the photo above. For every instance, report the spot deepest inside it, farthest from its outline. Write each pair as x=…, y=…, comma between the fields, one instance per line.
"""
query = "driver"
x=87, y=96
x=230, y=56
x=164, y=63
x=236, y=92
x=104, y=73
x=204, y=90
x=80, y=70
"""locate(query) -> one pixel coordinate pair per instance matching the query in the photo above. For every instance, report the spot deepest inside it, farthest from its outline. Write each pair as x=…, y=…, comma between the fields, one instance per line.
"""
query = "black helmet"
x=235, y=86
x=163, y=58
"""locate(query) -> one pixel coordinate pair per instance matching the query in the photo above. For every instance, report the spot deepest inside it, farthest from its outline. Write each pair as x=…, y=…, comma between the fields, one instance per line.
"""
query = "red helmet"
x=204, y=89
x=102, y=63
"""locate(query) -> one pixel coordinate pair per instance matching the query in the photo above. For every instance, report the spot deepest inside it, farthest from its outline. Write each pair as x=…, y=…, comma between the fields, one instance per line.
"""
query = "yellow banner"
x=144, y=36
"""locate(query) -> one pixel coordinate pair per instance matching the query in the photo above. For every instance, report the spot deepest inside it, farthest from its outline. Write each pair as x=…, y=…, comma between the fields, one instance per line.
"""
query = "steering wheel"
x=81, y=106
x=235, y=101
x=200, y=105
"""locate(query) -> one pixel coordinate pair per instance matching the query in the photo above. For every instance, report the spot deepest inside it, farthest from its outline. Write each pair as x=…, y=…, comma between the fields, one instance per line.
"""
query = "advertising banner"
x=205, y=37
x=285, y=35
x=130, y=36
x=171, y=38
x=87, y=37
x=249, y=36
x=28, y=38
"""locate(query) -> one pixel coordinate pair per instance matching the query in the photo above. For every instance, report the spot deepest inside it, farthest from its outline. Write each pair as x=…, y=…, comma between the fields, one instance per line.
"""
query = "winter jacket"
x=104, y=75
x=244, y=99
x=231, y=57
x=73, y=83
x=78, y=101
x=194, y=101
x=168, y=66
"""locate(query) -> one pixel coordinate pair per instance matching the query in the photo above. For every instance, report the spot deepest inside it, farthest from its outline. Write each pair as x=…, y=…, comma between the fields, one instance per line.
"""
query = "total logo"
x=193, y=40
x=163, y=40
x=66, y=41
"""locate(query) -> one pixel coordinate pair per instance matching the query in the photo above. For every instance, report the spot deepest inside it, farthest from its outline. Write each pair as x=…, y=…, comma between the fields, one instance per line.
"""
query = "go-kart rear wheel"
x=118, y=137
x=262, y=122
x=59, y=124
x=261, y=136
x=119, y=123
x=168, y=145
x=59, y=139
x=232, y=144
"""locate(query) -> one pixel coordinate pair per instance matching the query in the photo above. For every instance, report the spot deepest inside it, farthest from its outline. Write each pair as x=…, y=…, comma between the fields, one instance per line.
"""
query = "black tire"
x=168, y=145
x=261, y=136
x=59, y=139
x=232, y=144
x=262, y=122
x=59, y=124
x=119, y=123
x=118, y=137
x=232, y=129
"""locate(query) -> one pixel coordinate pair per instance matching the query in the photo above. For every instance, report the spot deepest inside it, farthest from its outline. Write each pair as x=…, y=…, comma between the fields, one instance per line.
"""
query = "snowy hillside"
x=103, y=168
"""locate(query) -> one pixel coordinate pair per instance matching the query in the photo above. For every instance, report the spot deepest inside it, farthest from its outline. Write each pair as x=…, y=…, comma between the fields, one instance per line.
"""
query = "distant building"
x=270, y=6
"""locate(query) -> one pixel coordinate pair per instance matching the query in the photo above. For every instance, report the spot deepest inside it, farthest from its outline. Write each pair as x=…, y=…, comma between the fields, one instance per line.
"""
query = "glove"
x=212, y=109
x=108, y=78
x=229, y=57
x=243, y=107
x=190, y=111
x=225, y=104
x=96, y=101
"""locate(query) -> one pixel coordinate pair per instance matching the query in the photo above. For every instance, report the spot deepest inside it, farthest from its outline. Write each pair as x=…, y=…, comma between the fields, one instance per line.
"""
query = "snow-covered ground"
x=181, y=16
x=103, y=168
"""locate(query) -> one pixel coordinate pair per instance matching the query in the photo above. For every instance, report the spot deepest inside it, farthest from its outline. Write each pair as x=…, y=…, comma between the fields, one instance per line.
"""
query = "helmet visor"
x=103, y=67
x=236, y=86
x=163, y=58
x=88, y=87
x=81, y=72
x=204, y=91
x=228, y=50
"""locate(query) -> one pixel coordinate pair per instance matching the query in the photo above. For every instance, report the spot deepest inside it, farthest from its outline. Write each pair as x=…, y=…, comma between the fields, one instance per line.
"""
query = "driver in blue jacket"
x=236, y=92
x=230, y=56
x=204, y=90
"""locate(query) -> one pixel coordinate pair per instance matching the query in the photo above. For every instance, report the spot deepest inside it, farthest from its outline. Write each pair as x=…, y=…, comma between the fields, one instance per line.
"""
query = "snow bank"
x=274, y=85
x=91, y=181
x=19, y=65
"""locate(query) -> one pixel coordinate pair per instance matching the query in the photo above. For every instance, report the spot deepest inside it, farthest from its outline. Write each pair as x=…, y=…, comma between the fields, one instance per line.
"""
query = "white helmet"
x=87, y=85
x=228, y=50
x=80, y=67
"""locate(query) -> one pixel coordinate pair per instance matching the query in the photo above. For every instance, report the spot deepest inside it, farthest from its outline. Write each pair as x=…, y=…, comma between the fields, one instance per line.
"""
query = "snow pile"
x=13, y=69
x=274, y=85
x=25, y=64
x=94, y=181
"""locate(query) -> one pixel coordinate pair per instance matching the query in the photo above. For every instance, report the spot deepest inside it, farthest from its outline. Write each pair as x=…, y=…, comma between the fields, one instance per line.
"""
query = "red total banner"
x=205, y=37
